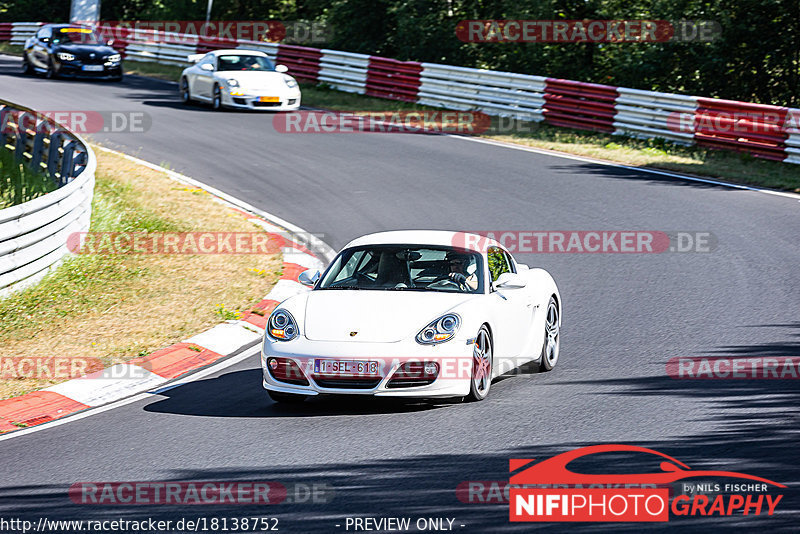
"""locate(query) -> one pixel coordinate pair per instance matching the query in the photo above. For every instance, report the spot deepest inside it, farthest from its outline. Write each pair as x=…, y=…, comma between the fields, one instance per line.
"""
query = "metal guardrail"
x=34, y=234
x=763, y=131
x=649, y=114
x=493, y=92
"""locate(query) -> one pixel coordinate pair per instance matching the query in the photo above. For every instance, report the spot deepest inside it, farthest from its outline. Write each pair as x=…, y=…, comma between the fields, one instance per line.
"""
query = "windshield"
x=244, y=62
x=406, y=267
x=75, y=36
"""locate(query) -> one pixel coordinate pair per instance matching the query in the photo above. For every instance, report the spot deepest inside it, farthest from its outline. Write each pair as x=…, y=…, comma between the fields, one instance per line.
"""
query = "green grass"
x=657, y=153
x=650, y=153
x=19, y=183
x=11, y=50
x=77, y=285
x=154, y=70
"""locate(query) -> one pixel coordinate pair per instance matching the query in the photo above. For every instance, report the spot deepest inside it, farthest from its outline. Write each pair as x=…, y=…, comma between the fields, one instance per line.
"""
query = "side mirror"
x=110, y=42
x=45, y=40
x=509, y=281
x=207, y=67
x=281, y=68
x=309, y=277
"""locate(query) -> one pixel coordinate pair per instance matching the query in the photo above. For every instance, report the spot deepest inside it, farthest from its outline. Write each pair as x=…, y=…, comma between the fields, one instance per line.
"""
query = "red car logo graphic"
x=555, y=471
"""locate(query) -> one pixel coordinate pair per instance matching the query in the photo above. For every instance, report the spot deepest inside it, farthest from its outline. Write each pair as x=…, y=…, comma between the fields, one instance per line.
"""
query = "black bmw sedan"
x=70, y=51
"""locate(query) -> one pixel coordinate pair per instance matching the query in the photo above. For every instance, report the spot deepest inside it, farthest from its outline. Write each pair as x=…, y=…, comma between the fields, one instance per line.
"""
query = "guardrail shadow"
x=415, y=487
x=641, y=175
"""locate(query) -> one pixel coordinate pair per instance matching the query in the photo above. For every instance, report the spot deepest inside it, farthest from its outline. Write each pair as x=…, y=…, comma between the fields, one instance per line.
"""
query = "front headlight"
x=282, y=326
x=113, y=58
x=232, y=83
x=291, y=83
x=440, y=330
x=64, y=56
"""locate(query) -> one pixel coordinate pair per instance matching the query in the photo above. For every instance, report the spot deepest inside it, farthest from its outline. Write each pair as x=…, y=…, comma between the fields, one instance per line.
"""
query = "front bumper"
x=287, y=102
x=454, y=358
x=74, y=69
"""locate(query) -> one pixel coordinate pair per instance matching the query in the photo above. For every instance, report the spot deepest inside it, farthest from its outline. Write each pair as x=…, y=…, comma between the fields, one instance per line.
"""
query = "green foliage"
x=34, y=10
x=18, y=183
x=756, y=58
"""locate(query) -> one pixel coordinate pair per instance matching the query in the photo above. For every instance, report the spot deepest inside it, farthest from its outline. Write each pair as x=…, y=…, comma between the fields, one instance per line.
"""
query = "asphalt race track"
x=625, y=316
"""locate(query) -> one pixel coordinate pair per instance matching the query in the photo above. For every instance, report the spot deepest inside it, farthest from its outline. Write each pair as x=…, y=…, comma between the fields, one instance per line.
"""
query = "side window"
x=498, y=262
x=510, y=262
x=208, y=60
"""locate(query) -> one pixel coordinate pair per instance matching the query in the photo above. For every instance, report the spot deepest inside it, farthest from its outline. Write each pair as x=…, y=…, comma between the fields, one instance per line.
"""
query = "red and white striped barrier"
x=154, y=370
x=769, y=132
x=393, y=79
x=585, y=106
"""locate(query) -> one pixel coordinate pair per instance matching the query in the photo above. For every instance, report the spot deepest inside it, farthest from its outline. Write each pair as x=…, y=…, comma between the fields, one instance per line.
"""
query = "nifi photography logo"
x=553, y=490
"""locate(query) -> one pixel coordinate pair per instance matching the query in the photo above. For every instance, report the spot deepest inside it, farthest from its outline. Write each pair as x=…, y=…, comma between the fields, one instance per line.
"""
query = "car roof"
x=66, y=25
x=239, y=51
x=440, y=238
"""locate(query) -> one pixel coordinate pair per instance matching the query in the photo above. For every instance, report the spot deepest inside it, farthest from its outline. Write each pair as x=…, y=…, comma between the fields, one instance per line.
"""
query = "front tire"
x=27, y=69
x=186, y=94
x=286, y=398
x=552, y=338
x=50, y=73
x=482, y=362
x=216, y=100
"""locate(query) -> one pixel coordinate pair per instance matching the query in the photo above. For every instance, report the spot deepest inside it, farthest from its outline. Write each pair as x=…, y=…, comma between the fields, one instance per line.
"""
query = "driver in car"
x=457, y=265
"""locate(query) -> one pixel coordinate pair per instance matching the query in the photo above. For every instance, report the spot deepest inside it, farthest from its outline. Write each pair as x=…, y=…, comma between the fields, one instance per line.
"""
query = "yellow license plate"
x=269, y=99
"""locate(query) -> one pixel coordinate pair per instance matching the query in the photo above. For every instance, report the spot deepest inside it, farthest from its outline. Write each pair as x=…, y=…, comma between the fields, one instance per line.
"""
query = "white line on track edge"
x=213, y=368
x=627, y=167
x=320, y=246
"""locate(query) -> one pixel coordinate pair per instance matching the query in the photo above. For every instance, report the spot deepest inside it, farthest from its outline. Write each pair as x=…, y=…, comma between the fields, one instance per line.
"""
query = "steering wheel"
x=446, y=281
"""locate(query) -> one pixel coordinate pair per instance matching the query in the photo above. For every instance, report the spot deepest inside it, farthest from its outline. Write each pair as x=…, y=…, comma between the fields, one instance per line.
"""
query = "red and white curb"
x=155, y=370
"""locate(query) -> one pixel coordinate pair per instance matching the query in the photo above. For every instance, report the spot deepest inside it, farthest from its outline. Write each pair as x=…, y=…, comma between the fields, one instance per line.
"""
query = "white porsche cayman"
x=244, y=79
x=412, y=314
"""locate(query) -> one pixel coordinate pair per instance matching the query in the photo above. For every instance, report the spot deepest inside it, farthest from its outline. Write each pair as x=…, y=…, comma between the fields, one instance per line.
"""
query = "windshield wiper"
x=341, y=287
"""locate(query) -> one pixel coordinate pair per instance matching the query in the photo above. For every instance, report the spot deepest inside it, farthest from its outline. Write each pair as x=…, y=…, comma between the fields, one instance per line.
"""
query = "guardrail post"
x=67, y=162
x=53, y=155
x=33, y=244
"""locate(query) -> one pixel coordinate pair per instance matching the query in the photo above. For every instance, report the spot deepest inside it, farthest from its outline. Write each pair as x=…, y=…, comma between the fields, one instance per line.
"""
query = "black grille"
x=266, y=104
x=347, y=383
x=409, y=382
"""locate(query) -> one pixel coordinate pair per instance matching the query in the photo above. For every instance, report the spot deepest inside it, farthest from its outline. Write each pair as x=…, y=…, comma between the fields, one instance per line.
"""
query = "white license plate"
x=346, y=367
x=93, y=68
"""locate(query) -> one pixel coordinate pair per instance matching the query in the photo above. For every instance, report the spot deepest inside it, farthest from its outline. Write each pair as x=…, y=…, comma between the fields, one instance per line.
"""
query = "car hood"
x=376, y=316
x=255, y=79
x=83, y=51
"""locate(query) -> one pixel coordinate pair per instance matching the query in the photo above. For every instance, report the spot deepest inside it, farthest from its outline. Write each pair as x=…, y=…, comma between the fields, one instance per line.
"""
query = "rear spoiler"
x=194, y=58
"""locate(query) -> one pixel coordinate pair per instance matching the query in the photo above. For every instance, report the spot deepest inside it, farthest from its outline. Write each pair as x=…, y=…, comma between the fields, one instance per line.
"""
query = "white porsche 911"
x=243, y=79
x=412, y=314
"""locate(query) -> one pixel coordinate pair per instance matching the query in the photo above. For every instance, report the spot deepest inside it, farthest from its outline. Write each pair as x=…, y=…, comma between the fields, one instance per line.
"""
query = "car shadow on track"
x=239, y=394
